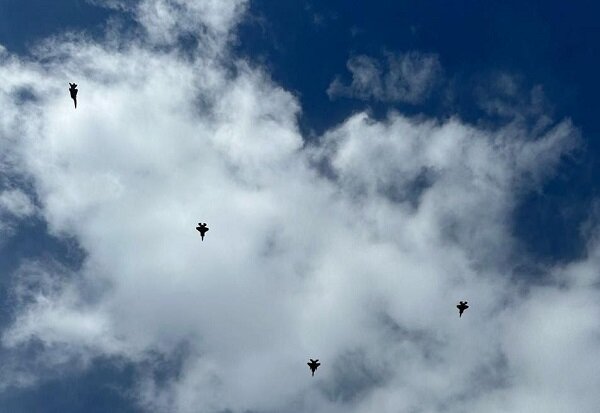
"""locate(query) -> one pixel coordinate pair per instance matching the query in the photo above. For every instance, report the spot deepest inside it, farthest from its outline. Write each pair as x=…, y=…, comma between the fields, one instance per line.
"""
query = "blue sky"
x=540, y=43
x=375, y=156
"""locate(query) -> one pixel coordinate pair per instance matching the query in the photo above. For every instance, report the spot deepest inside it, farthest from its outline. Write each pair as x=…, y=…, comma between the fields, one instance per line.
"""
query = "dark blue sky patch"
x=547, y=48
x=23, y=22
x=529, y=40
x=106, y=386
x=549, y=222
x=109, y=384
x=31, y=241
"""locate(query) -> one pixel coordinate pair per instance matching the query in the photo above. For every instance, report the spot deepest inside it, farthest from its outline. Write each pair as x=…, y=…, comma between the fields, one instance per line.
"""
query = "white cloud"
x=164, y=21
x=406, y=77
x=361, y=270
x=16, y=203
x=503, y=95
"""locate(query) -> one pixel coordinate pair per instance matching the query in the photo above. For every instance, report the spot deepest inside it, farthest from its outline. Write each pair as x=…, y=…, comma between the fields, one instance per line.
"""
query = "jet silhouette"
x=462, y=307
x=313, y=365
x=73, y=90
x=202, y=229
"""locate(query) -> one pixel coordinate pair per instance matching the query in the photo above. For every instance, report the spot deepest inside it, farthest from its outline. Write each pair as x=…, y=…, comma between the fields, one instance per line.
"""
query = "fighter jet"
x=462, y=307
x=202, y=229
x=73, y=90
x=313, y=365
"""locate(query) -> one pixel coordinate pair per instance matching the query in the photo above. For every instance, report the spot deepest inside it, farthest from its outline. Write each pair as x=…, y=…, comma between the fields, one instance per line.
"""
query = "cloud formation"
x=15, y=206
x=403, y=77
x=353, y=248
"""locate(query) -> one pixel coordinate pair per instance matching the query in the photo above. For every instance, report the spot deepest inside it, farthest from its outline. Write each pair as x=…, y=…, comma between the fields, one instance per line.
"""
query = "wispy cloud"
x=403, y=77
x=16, y=203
